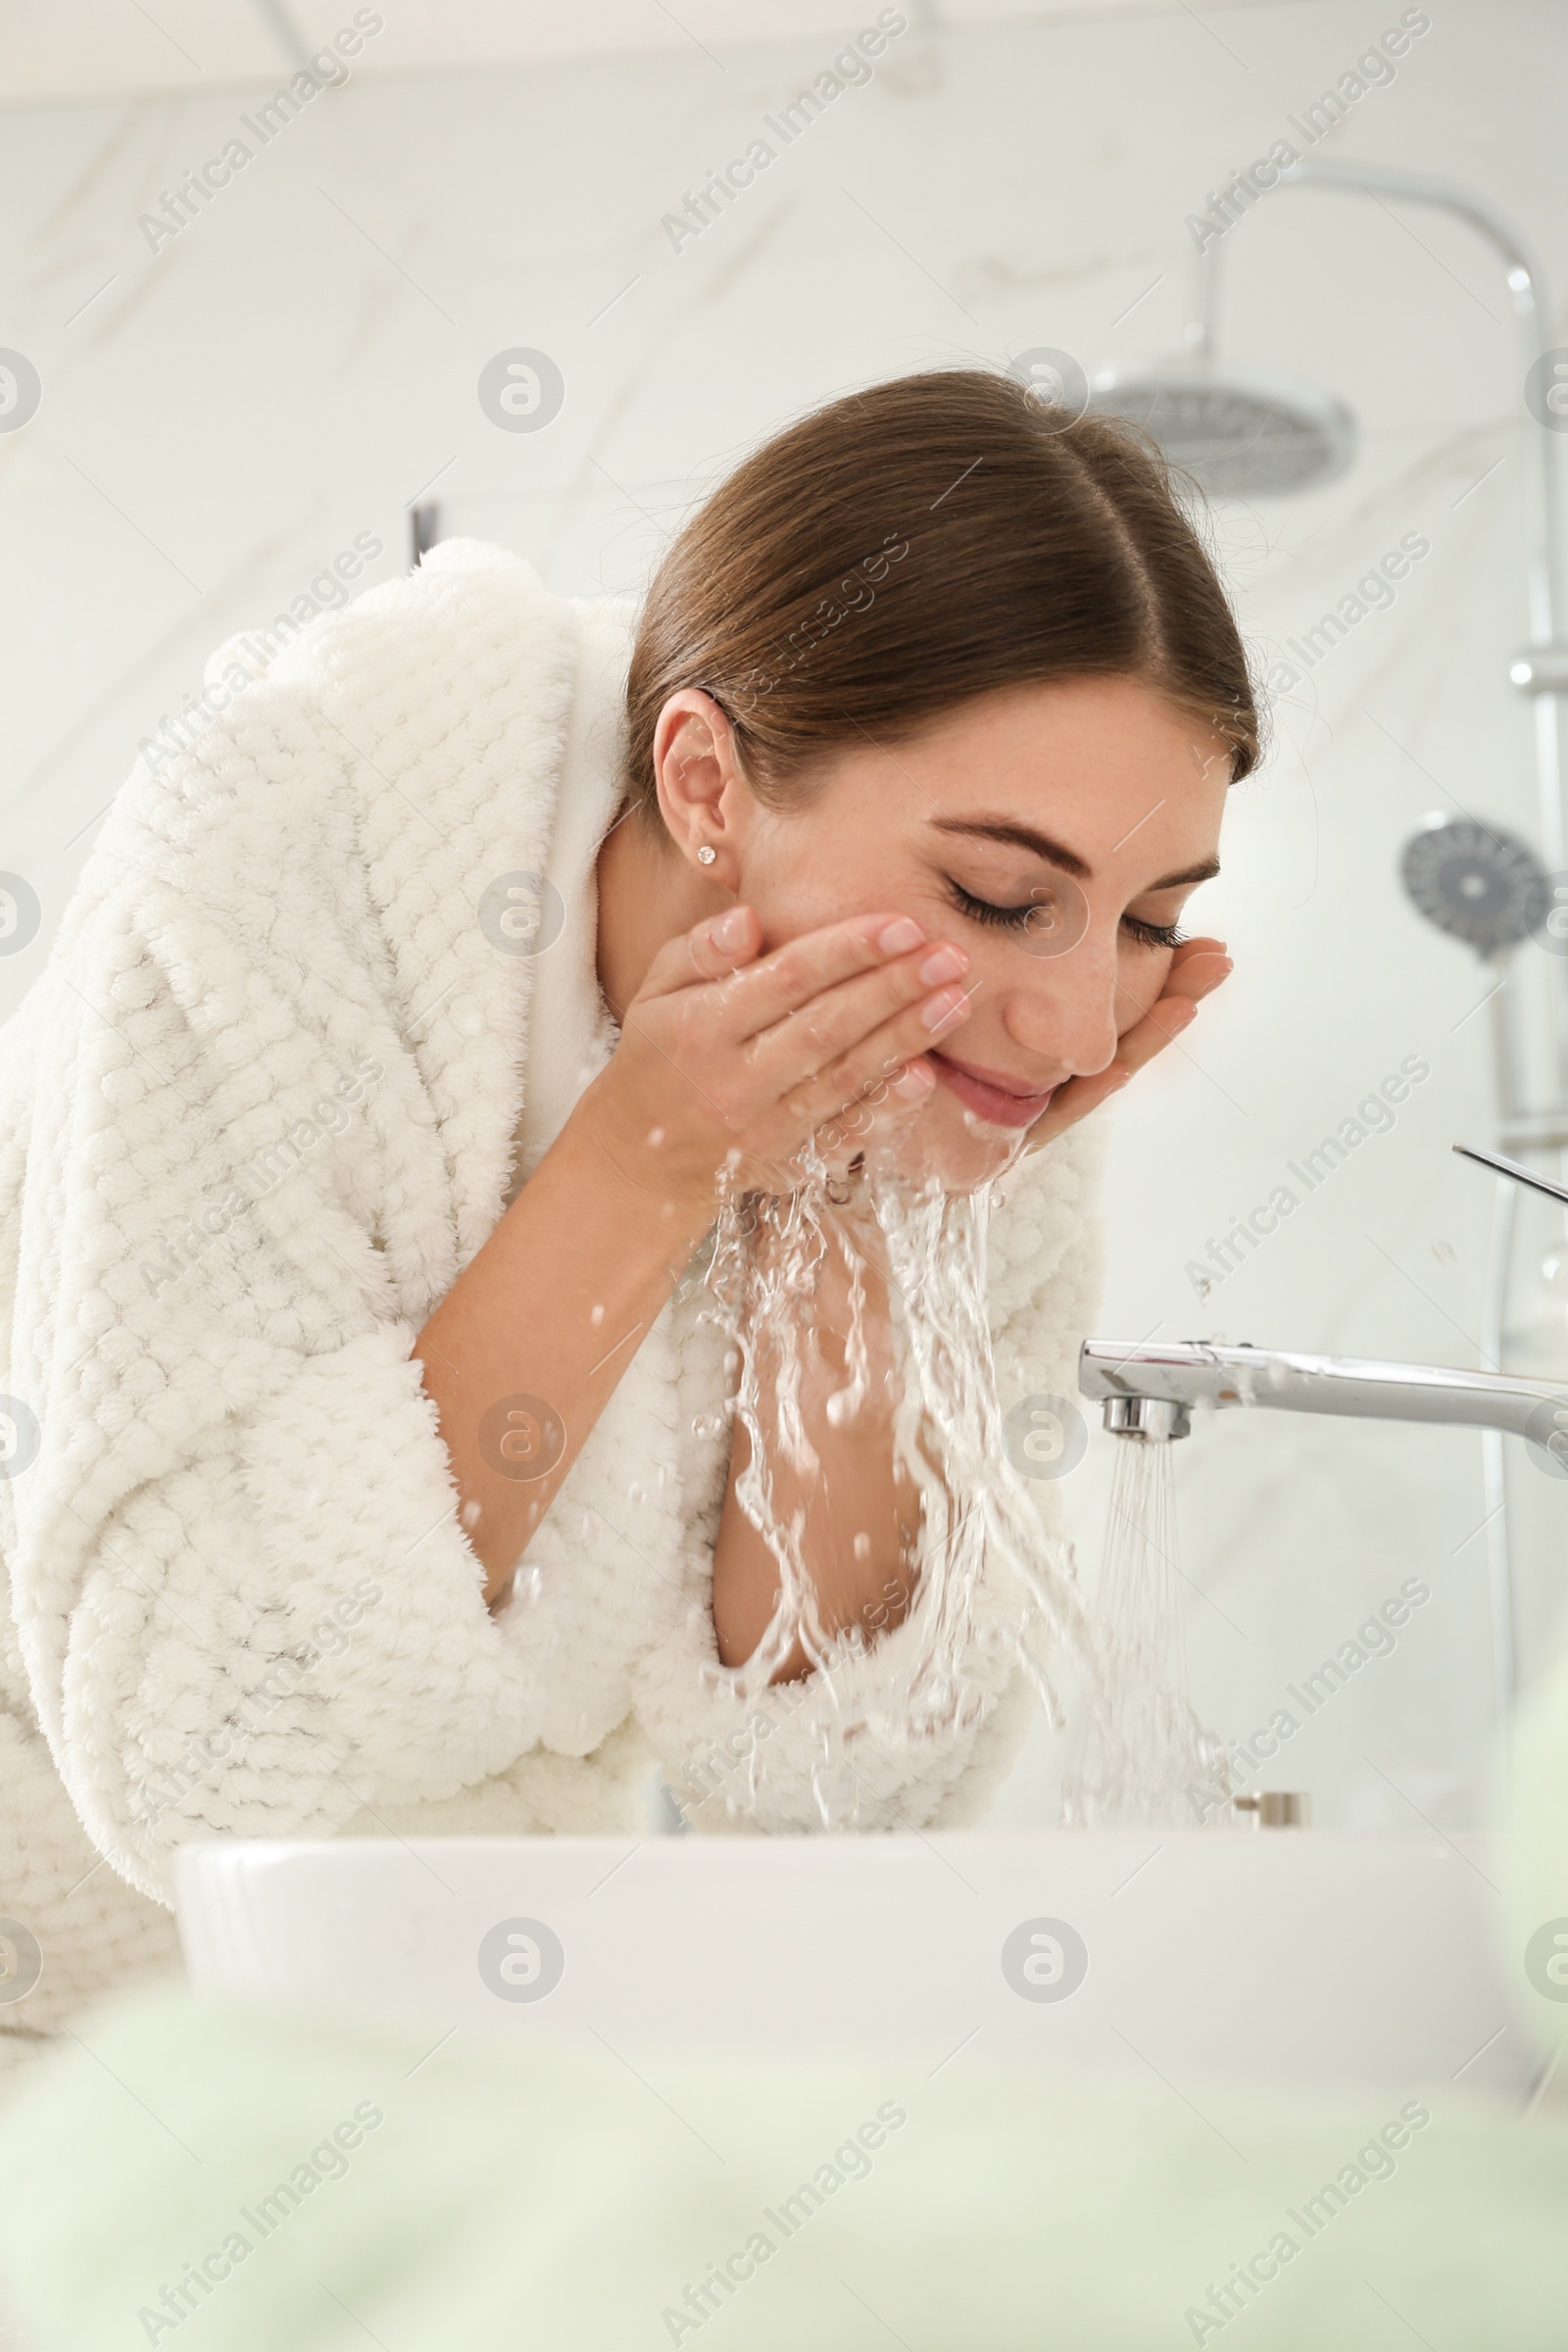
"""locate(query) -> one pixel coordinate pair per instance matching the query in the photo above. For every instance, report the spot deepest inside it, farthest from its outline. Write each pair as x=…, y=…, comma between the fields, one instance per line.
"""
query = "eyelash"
x=1154, y=935
x=1013, y=919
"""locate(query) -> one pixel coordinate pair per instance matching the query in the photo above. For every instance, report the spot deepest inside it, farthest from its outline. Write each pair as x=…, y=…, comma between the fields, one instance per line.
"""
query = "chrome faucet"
x=1148, y=1389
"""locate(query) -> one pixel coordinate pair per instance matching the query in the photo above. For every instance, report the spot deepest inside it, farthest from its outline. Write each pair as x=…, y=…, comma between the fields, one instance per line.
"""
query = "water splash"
x=976, y=1511
x=1143, y=1749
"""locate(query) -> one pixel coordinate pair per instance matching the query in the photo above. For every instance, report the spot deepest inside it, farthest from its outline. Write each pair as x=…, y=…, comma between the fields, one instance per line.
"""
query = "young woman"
x=368, y=1468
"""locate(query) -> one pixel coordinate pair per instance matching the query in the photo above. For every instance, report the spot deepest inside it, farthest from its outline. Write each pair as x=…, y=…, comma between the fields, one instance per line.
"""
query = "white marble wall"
x=223, y=415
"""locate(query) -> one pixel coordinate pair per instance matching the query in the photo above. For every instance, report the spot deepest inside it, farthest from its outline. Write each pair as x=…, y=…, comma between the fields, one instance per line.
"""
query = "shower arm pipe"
x=1194, y=1372
x=1527, y=284
x=1494, y=1468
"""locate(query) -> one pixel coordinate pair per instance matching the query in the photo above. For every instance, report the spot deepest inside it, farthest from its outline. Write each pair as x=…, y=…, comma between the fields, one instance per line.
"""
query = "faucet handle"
x=1275, y=1808
x=1511, y=1167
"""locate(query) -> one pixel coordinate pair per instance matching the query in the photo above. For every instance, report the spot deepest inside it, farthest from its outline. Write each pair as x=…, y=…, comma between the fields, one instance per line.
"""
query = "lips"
x=1000, y=1104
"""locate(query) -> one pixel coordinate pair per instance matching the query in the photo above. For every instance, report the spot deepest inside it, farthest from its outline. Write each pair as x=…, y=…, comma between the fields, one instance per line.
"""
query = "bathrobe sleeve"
x=240, y=1588
x=778, y=1764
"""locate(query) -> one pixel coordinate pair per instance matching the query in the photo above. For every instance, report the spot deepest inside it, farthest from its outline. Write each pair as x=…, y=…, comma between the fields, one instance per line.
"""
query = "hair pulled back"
x=901, y=550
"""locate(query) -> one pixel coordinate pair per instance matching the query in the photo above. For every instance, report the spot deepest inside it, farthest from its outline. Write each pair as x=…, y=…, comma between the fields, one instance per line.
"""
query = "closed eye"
x=1153, y=935
x=1016, y=919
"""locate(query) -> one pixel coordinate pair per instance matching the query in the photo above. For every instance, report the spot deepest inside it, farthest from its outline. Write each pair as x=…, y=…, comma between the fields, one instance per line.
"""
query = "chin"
x=947, y=1141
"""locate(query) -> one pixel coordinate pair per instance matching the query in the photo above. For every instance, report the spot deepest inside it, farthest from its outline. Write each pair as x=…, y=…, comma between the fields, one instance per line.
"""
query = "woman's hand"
x=1196, y=967
x=721, y=1052
x=729, y=1058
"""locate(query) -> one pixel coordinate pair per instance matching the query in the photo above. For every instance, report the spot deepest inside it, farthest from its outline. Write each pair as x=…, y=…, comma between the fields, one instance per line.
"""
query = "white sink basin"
x=1303, y=1956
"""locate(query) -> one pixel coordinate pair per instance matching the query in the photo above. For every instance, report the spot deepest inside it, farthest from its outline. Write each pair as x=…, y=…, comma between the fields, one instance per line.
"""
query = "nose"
x=1061, y=1010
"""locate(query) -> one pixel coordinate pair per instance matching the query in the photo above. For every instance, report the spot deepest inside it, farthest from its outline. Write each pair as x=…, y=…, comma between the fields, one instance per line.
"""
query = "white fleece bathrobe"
x=277, y=1084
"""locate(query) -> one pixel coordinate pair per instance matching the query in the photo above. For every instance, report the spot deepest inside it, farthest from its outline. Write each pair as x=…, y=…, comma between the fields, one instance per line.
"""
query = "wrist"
x=631, y=1152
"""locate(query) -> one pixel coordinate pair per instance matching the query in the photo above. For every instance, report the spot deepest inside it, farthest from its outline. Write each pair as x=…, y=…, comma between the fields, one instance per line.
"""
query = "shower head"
x=1241, y=433
x=1476, y=882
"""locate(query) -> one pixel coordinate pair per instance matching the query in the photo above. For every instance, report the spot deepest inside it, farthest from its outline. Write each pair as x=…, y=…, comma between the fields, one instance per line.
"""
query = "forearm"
x=528, y=1345
x=859, y=1508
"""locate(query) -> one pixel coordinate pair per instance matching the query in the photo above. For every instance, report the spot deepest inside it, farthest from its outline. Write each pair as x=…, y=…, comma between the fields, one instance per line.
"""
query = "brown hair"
x=903, y=549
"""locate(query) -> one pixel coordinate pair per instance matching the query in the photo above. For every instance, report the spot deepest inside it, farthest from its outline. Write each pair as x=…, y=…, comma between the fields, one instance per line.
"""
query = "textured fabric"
x=289, y=2183
x=256, y=1116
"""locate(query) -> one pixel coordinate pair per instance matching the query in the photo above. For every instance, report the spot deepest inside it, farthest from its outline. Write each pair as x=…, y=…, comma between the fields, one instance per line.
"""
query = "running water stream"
x=927, y=1250
x=1140, y=1745
x=1143, y=1751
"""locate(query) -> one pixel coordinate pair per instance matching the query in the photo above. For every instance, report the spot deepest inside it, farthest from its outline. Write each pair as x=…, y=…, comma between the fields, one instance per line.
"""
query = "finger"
x=1074, y=1101
x=1205, y=964
x=789, y=978
x=892, y=1055
x=908, y=994
x=1159, y=1027
x=1197, y=968
x=708, y=950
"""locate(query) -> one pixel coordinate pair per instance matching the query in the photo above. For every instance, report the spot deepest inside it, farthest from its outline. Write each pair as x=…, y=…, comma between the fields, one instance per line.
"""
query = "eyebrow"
x=1057, y=852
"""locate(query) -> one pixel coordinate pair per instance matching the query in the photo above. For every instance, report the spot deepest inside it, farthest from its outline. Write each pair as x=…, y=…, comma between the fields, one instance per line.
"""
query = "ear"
x=701, y=783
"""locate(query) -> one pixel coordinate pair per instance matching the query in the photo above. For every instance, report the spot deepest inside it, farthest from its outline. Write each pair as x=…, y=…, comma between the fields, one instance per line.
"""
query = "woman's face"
x=1054, y=832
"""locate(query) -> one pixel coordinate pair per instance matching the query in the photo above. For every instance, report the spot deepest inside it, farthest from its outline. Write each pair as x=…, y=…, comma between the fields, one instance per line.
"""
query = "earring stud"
x=706, y=855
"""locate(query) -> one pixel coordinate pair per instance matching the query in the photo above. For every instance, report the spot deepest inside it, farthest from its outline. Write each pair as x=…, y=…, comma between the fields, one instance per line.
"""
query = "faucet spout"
x=1187, y=1372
